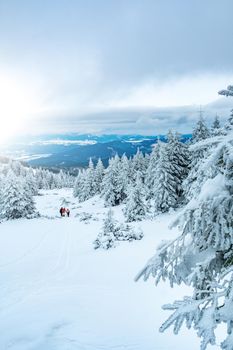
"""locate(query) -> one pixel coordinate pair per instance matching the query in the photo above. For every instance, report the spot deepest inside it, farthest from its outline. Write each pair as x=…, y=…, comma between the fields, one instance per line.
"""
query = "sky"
x=124, y=66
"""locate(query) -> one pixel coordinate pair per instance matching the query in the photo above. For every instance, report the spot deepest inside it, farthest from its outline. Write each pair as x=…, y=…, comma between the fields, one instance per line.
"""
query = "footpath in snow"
x=58, y=293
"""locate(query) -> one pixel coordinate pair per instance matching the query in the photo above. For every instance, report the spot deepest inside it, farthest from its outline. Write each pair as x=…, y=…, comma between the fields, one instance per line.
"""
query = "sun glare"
x=16, y=106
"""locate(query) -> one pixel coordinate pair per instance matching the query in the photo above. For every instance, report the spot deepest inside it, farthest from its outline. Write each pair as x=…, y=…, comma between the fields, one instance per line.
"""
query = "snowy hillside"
x=59, y=293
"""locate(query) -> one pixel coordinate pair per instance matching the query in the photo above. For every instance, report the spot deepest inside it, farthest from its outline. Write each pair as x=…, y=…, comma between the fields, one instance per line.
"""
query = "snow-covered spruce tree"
x=199, y=172
x=85, y=184
x=17, y=168
x=135, y=207
x=114, y=183
x=202, y=256
x=165, y=193
x=78, y=185
x=179, y=159
x=200, y=132
x=138, y=164
x=31, y=182
x=151, y=172
x=229, y=124
x=106, y=238
x=16, y=200
x=90, y=184
x=109, y=192
x=125, y=169
x=216, y=129
x=99, y=175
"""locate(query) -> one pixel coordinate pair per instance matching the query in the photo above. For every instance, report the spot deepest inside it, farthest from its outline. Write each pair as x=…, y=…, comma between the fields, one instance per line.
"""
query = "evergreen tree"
x=85, y=185
x=216, y=129
x=78, y=185
x=151, y=172
x=199, y=172
x=31, y=182
x=179, y=158
x=165, y=194
x=229, y=124
x=138, y=164
x=16, y=199
x=99, y=175
x=106, y=238
x=113, y=189
x=200, y=132
x=135, y=208
x=90, y=183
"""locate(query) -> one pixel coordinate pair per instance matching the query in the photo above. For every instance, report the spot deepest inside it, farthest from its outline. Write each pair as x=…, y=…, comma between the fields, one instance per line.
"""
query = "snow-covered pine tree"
x=109, y=192
x=31, y=182
x=17, y=168
x=199, y=172
x=216, y=127
x=114, y=183
x=151, y=171
x=78, y=184
x=16, y=199
x=106, y=238
x=123, y=177
x=135, y=207
x=201, y=131
x=165, y=188
x=90, y=184
x=202, y=255
x=85, y=184
x=138, y=164
x=179, y=159
x=99, y=175
x=125, y=168
x=229, y=124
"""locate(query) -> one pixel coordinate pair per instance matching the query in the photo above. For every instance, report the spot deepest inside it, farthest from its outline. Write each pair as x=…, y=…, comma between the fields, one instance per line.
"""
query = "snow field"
x=58, y=293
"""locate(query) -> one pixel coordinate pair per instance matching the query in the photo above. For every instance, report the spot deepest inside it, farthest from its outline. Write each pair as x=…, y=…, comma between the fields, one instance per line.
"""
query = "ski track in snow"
x=58, y=293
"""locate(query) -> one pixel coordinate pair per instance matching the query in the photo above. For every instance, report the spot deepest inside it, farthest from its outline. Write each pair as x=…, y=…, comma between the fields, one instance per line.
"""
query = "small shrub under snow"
x=112, y=232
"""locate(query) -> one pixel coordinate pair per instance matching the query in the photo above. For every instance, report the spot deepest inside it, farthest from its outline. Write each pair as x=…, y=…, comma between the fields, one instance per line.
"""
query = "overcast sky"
x=112, y=65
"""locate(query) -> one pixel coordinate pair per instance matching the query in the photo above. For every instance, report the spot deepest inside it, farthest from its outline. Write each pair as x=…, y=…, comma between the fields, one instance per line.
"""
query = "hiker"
x=68, y=212
x=61, y=211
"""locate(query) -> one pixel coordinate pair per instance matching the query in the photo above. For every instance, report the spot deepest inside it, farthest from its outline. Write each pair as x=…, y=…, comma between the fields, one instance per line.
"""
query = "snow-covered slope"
x=58, y=293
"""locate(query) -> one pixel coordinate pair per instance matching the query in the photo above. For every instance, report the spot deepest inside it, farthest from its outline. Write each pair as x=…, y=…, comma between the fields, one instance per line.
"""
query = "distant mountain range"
x=75, y=150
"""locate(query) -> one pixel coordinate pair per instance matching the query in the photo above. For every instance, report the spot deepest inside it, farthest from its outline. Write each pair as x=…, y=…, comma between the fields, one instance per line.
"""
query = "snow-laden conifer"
x=106, y=238
x=228, y=127
x=201, y=131
x=151, y=172
x=114, y=183
x=179, y=159
x=216, y=128
x=85, y=185
x=16, y=200
x=138, y=164
x=135, y=207
x=165, y=194
x=78, y=185
x=99, y=175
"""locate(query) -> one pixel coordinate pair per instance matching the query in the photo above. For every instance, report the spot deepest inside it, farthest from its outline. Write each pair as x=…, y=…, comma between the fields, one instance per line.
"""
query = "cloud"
x=91, y=63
